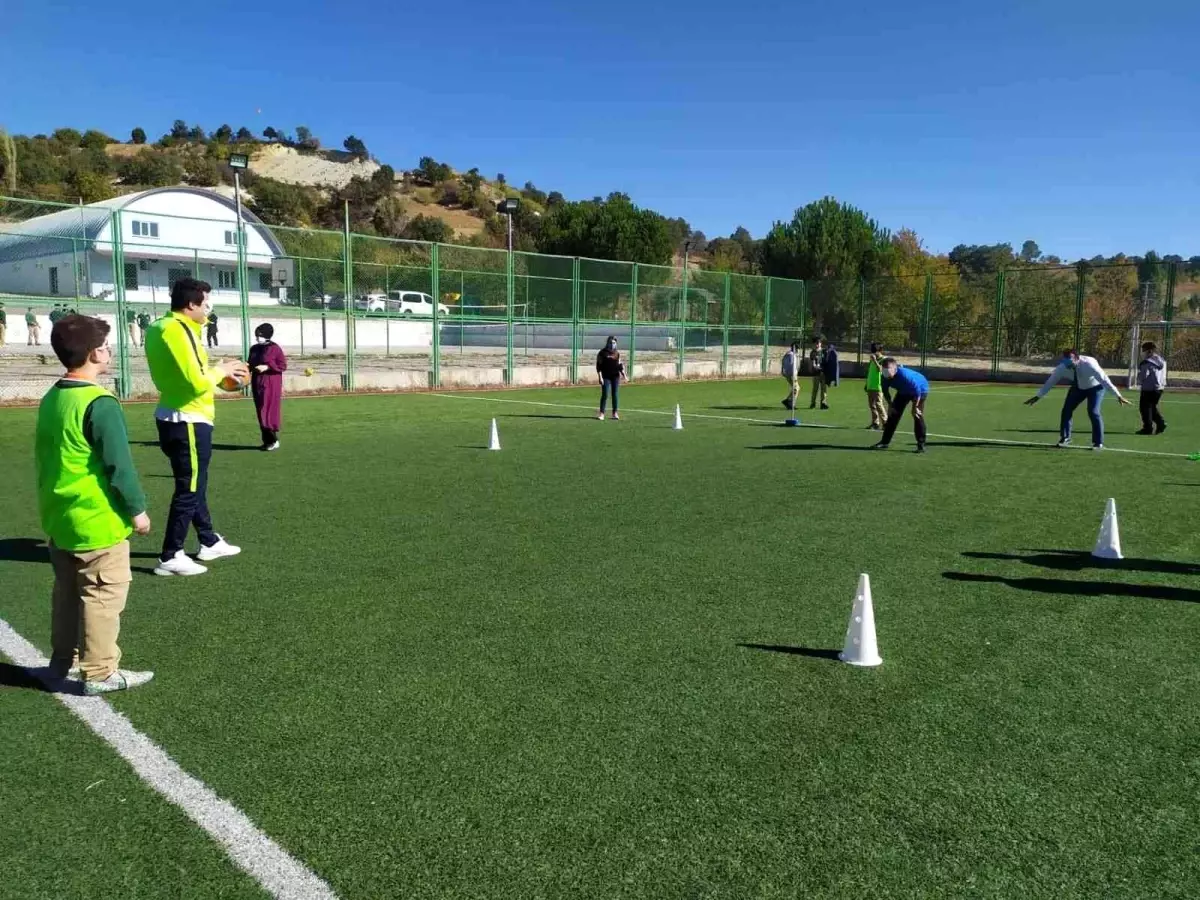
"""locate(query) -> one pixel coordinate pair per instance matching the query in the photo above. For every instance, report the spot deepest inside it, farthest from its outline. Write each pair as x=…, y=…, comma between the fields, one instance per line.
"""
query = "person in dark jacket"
x=831, y=372
x=267, y=365
x=1152, y=378
x=610, y=370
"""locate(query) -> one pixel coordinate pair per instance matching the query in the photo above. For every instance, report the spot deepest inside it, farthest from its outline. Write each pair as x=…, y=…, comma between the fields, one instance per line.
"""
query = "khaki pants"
x=793, y=389
x=820, y=390
x=133, y=334
x=90, y=589
x=878, y=408
x=35, y=336
x=3, y=334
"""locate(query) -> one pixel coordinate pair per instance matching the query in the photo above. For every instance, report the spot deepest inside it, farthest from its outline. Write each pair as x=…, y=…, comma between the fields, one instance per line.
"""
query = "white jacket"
x=1087, y=375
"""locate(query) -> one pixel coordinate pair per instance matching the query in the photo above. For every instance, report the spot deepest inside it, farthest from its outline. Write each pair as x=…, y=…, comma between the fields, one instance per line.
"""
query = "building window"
x=145, y=229
x=54, y=279
x=231, y=239
x=174, y=275
x=131, y=276
x=227, y=281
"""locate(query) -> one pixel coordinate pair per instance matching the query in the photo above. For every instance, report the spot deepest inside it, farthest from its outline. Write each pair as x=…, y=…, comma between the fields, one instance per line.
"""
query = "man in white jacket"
x=1089, y=381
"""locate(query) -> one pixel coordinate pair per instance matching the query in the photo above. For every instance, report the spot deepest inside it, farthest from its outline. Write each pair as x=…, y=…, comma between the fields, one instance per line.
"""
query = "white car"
x=413, y=303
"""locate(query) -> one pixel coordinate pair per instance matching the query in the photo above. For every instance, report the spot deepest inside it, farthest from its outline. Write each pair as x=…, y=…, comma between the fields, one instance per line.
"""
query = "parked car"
x=413, y=303
x=370, y=303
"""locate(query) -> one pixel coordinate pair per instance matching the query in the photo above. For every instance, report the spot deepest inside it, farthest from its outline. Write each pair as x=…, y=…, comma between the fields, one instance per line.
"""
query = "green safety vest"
x=874, y=376
x=77, y=509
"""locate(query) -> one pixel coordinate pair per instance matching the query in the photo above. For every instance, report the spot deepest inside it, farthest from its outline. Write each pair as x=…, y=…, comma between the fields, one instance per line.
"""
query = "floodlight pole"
x=237, y=162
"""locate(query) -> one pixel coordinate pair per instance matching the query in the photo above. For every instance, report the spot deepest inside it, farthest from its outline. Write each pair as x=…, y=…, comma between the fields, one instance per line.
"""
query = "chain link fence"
x=362, y=312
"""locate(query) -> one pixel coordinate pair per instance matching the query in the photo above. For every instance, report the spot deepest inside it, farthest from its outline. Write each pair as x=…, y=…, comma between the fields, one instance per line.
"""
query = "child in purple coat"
x=267, y=365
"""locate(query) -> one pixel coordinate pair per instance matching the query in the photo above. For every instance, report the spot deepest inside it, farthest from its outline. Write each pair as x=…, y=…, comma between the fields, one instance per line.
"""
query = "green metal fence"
x=365, y=312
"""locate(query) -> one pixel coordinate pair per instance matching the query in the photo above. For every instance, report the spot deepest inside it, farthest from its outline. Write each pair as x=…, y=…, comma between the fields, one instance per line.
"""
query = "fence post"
x=510, y=289
x=300, y=299
x=683, y=319
x=1079, y=294
x=862, y=314
x=348, y=294
x=575, y=320
x=803, y=310
x=243, y=274
x=633, y=318
x=725, y=330
x=766, y=351
x=124, y=381
x=925, y=318
x=996, y=327
x=1169, y=309
x=435, y=288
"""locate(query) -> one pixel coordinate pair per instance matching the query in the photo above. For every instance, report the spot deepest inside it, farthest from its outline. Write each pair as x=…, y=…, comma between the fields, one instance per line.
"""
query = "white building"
x=166, y=234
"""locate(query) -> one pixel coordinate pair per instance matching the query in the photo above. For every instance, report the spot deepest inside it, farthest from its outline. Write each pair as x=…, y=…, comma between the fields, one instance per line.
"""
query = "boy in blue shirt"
x=909, y=386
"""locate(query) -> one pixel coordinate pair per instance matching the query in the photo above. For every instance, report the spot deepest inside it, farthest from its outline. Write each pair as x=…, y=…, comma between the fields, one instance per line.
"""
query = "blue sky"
x=1072, y=123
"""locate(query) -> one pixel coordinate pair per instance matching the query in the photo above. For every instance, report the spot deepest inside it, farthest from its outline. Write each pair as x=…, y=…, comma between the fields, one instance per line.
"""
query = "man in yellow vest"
x=186, y=383
x=90, y=501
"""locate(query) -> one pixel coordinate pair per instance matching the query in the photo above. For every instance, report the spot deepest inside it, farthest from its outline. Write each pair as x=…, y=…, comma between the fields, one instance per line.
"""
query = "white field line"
x=280, y=874
x=686, y=415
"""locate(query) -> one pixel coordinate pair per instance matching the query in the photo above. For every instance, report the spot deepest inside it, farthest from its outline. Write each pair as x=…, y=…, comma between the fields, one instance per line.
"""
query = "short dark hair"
x=188, y=292
x=889, y=360
x=1070, y=351
x=266, y=329
x=74, y=338
x=795, y=345
x=1149, y=347
x=817, y=339
x=874, y=347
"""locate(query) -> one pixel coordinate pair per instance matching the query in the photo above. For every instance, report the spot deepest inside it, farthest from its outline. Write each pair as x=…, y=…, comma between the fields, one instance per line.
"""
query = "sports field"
x=600, y=663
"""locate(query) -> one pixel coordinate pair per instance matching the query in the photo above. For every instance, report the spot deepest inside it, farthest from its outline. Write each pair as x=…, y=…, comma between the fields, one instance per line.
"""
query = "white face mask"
x=262, y=340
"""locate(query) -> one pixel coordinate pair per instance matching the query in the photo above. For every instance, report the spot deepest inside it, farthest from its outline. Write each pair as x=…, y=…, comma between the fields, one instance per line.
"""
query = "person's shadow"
x=1078, y=560
x=35, y=550
x=1079, y=588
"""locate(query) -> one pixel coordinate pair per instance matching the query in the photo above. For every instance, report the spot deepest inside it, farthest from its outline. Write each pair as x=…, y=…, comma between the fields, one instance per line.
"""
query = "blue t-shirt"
x=908, y=383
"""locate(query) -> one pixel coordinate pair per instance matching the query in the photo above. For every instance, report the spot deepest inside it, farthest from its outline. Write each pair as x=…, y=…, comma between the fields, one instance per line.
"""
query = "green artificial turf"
x=597, y=663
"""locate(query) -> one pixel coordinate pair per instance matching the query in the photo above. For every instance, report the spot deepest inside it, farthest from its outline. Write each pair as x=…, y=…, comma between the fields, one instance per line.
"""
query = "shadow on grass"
x=542, y=416
x=810, y=652
x=221, y=447
x=1078, y=560
x=36, y=680
x=1083, y=588
x=810, y=447
x=35, y=550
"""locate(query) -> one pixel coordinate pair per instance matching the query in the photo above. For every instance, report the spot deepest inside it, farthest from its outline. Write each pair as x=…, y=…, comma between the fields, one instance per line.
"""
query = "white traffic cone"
x=861, y=647
x=1108, y=542
x=495, y=442
x=678, y=426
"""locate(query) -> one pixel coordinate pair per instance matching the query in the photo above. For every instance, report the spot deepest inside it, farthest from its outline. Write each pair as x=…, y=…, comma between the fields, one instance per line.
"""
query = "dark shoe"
x=921, y=448
x=812, y=406
x=1161, y=428
x=880, y=446
x=824, y=406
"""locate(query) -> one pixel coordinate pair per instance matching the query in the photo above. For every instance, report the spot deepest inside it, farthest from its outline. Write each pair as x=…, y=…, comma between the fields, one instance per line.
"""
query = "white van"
x=413, y=303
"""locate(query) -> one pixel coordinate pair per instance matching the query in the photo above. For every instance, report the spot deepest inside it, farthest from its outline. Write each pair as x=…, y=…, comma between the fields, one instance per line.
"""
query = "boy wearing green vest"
x=90, y=501
x=875, y=389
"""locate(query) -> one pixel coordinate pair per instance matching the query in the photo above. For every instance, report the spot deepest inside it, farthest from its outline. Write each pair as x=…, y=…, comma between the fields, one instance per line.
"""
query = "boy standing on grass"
x=790, y=370
x=32, y=329
x=90, y=500
x=816, y=365
x=186, y=410
x=874, y=389
x=911, y=387
x=1152, y=377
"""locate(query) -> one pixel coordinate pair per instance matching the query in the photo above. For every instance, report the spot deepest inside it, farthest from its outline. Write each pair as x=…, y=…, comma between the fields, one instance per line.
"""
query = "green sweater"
x=88, y=489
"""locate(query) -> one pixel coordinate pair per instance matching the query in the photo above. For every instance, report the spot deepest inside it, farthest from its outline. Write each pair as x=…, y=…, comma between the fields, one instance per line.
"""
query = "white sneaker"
x=219, y=550
x=1065, y=442
x=120, y=680
x=1097, y=446
x=179, y=564
x=270, y=447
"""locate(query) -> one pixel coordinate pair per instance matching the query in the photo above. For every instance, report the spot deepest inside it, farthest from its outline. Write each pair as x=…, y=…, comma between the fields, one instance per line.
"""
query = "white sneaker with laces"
x=1097, y=446
x=120, y=680
x=272, y=447
x=179, y=564
x=219, y=550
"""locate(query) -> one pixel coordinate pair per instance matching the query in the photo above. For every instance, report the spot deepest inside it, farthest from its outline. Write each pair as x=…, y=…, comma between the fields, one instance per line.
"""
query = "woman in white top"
x=1088, y=384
